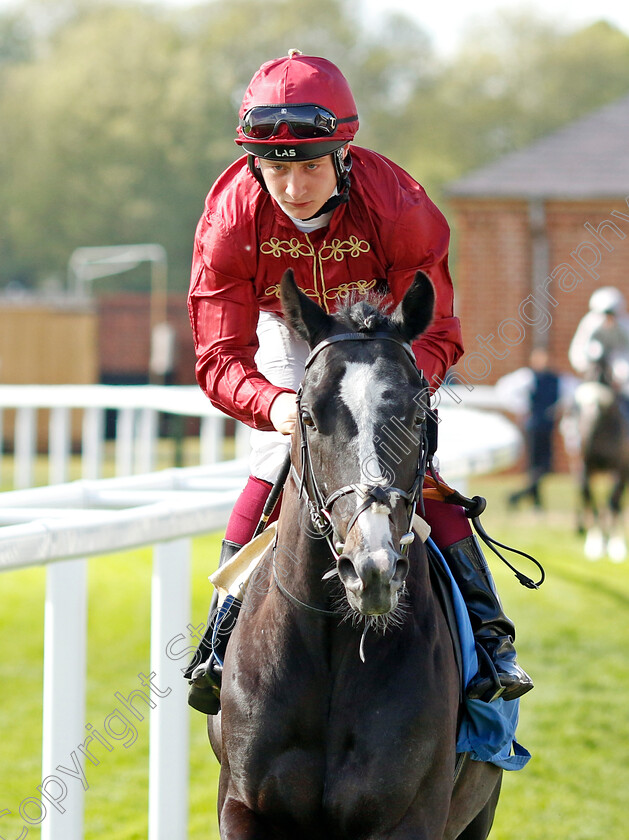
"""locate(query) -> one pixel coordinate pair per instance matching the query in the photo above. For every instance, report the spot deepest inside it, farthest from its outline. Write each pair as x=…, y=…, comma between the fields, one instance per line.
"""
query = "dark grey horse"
x=313, y=742
x=603, y=430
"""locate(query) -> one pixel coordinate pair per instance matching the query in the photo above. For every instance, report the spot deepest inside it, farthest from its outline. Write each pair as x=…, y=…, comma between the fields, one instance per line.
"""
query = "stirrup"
x=486, y=687
x=205, y=688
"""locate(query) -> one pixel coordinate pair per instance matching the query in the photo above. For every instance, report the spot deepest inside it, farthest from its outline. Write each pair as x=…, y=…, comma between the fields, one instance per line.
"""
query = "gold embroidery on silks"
x=345, y=289
x=293, y=247
x=336, y=250
x=271, y=291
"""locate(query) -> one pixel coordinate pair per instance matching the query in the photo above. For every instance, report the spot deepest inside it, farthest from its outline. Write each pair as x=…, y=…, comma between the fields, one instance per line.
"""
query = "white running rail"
x=61, y=525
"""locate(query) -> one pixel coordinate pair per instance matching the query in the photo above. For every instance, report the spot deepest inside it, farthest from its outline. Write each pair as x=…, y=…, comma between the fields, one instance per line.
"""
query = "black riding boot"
x=204, y=671
x=499, y=673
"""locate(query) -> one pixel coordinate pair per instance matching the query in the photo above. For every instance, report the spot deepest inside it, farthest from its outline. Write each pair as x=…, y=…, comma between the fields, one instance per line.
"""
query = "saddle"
x=232, y=578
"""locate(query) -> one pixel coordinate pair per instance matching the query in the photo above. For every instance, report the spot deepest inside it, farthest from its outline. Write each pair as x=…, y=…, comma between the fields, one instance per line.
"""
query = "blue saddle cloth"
x=488, y=729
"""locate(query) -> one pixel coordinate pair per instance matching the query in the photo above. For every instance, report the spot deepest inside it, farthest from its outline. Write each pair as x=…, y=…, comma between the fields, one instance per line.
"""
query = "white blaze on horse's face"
x=376, y=570
x=362, y=391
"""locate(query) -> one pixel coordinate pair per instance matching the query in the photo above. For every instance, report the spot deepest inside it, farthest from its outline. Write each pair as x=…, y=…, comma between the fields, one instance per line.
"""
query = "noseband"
x=319, y=505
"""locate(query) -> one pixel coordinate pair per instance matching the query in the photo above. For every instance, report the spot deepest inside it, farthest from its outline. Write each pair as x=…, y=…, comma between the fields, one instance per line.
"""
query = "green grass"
x=573, y=637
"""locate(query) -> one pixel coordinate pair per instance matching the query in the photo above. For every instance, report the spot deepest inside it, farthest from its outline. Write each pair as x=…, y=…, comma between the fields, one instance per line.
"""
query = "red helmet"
x=297, y=108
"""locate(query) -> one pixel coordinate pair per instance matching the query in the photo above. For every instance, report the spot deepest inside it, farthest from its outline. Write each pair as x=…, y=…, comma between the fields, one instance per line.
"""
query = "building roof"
x=588, y=158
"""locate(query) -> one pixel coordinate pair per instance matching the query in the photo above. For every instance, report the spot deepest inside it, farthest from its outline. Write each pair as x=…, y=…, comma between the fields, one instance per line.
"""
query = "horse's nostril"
x=347, y=572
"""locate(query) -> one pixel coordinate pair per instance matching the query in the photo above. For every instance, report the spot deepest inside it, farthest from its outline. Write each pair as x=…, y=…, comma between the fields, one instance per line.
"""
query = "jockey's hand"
x=283, y=413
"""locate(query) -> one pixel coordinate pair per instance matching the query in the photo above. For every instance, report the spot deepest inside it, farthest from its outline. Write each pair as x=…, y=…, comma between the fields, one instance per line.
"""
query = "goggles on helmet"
x=305, y=122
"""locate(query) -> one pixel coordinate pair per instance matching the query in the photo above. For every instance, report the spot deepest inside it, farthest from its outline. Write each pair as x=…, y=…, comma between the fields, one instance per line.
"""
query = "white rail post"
x=125, y=436
x=25, y=445
x=64, y=698
x=146, y=447
x=93, y=434
x=243, y=440
x=65, y=658
x=168, y=759
x=211, y=435
x=59, y=444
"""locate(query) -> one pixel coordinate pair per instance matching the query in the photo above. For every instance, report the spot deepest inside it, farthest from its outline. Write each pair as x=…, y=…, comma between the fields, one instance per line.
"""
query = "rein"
x=292, y=598
x=435, y=488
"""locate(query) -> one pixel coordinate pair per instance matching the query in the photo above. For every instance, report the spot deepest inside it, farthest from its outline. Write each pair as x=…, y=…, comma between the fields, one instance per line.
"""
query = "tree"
x=93, y=158
x=116, y=117
x=515, y=79
x=119, y=123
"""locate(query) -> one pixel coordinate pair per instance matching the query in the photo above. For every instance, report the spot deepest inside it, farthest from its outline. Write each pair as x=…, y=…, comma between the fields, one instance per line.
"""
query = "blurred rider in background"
x=602, y=341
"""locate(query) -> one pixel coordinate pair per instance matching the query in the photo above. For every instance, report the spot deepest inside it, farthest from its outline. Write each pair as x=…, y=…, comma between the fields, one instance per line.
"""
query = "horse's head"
x=361, y=419
x=600, y=364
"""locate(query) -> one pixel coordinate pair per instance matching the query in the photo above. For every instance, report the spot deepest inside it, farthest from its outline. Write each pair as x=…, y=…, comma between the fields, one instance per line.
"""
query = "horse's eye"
x=306, y=418
x=419, y=419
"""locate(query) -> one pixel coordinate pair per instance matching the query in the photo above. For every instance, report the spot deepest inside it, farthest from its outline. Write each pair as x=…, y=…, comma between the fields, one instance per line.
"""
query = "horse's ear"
x=303, y=316
x=414, y=312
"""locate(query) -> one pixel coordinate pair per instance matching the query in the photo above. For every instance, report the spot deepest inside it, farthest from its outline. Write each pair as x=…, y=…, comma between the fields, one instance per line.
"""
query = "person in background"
x=536, y=392
x=349, y=223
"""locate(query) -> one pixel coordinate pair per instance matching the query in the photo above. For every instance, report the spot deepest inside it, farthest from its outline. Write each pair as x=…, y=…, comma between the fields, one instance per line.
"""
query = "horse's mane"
x=365, y=315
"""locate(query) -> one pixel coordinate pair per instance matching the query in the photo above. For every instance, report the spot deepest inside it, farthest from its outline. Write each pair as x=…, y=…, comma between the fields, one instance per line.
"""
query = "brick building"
x=537, y=231
x=124, y=339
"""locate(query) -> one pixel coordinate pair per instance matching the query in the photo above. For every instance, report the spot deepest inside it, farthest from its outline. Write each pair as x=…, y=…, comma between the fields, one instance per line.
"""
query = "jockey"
x=348, y=222
x=603, y=332
x=603, y=337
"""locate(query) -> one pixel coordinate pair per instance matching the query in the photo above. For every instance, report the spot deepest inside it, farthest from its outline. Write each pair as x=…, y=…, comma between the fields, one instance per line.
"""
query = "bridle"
x=319, y=505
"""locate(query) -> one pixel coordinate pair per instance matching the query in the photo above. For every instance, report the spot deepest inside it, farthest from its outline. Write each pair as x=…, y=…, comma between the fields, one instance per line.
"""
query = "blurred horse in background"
x=601, y=424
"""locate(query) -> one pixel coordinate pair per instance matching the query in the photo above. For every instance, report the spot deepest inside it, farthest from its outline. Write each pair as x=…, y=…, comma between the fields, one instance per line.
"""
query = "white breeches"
x=281, y=358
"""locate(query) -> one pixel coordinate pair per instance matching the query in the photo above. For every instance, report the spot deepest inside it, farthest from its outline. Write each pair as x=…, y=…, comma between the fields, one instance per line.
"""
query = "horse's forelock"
x=365, y=316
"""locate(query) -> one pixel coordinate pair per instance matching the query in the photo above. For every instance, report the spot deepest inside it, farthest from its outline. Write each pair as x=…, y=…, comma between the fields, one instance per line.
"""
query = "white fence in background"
x=137, y=408
x=59, y=526
x=63, y=524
